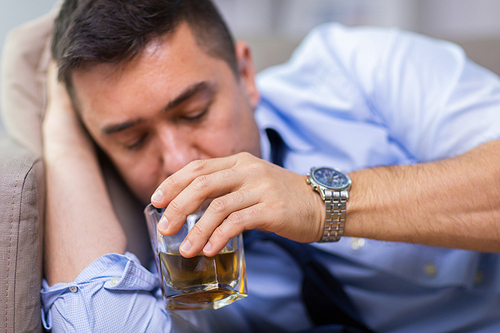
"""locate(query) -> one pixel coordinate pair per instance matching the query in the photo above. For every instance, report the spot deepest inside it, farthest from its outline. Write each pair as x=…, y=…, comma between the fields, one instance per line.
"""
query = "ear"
x=247, y=72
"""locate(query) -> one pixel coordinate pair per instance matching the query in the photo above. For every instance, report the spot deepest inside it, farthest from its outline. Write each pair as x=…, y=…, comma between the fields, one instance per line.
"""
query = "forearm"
x=80, y=224
x=450, y=203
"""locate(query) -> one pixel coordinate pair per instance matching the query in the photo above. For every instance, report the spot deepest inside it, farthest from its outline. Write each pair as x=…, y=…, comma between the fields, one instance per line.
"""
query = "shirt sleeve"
x=432, y=100
x=380, y=87
x=113, y=294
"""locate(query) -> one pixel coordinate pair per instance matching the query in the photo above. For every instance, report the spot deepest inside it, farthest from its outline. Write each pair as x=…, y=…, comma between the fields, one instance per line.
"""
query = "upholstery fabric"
x=21, y=232
x=24, y=64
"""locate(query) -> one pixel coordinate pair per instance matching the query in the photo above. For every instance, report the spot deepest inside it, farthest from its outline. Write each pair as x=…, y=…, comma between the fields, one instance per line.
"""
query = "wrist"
x=63, y=135
x=333, y=187
x=320, y=218
x=366, y=209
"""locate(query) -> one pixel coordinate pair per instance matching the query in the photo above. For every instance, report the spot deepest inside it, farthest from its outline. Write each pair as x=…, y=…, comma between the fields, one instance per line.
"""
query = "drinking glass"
x=200, y=282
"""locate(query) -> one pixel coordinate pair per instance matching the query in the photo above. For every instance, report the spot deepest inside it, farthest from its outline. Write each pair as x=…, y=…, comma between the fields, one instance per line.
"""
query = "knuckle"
x=226, y=173
x=201, y=182
x=278, y=207
x=174, y=207
x=240, y=196
x=219, y=205
x=245, y=155
x=267, y=187
x=196, y=165
x=236, y=218
x=224, y=233
x=244, y=158
x=197, y=231
x=257, y=168
x=242, y=154
x=220, y=233
x=171, y=182
x=227, y=231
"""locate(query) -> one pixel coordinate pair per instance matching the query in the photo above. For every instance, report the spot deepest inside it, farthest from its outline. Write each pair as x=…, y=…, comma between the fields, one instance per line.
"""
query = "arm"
x=450, y=203
x=77, y=201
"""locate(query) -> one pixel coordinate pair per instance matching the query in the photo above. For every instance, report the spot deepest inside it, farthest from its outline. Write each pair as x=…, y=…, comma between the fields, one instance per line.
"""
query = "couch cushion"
x=24, y=62
x=21, y=231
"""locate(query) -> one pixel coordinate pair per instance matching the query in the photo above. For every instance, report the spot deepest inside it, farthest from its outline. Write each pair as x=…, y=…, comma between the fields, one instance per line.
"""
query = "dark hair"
x=90, y=32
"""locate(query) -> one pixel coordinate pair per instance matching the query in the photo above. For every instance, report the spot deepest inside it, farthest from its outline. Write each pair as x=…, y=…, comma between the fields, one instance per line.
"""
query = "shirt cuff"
x=114, y=272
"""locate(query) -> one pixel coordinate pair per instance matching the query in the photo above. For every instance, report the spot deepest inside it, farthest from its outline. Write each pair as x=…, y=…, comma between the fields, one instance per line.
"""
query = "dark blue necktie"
x=327, y=304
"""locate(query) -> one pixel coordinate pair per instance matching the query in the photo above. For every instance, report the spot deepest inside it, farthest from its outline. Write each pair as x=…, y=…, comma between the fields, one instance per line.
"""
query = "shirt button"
x=114, y=280
x=479, y=277
x=73, y=289
x=357, y=243
x=430, y=270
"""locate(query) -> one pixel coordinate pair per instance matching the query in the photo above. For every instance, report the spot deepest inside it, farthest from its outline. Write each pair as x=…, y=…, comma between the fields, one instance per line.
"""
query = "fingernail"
x=163, y=224
x=207, y=247
x=186, y=246
x=157, y=196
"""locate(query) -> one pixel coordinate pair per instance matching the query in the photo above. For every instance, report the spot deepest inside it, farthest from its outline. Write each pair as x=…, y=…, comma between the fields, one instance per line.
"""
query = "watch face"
x=331, y=178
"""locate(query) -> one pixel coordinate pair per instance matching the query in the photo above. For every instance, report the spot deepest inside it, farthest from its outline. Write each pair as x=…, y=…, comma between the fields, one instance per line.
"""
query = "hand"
x=248, y=193
x=62, y=128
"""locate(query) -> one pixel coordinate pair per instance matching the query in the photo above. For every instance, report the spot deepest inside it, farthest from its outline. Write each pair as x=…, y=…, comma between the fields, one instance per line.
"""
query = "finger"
x=174, y=184
x=218, y=211
x=192, y=197
x=249, y=218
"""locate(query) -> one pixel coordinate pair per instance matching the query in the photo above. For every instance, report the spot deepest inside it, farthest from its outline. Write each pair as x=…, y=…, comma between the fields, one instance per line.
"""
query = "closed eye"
x=136, y=144
x=197, y=116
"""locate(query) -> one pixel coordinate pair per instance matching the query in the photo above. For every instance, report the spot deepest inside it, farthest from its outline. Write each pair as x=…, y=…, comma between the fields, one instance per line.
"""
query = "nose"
x=177, y=149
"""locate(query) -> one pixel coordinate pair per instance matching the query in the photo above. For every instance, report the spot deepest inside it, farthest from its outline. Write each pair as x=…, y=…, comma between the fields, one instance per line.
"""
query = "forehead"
x=176, y=53
x=161, y=71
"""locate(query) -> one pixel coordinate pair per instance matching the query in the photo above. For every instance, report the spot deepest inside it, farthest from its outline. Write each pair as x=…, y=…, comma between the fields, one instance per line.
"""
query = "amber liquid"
x=202, y=279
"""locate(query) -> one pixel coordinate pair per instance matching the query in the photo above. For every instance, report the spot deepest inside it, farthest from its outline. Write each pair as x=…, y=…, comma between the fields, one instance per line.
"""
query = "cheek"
x=236, y=133
x=141, y=174
x=243, y=130
x=220, y=138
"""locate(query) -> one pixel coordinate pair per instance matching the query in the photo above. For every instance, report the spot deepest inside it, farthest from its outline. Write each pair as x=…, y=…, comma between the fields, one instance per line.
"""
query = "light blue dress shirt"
x=350, y=98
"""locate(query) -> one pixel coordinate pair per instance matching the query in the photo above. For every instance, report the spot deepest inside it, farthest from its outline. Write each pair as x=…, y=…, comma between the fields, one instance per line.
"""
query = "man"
x=159, y=89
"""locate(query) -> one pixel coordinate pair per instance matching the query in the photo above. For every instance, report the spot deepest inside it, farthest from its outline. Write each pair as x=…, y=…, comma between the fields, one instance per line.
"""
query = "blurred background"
x=274, y=27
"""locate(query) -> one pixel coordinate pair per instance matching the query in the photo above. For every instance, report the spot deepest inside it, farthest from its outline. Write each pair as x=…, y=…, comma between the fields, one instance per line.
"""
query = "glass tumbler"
x=200, y=282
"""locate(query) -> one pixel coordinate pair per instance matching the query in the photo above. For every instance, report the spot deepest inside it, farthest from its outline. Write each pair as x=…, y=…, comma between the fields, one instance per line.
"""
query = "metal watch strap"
x=335, y=202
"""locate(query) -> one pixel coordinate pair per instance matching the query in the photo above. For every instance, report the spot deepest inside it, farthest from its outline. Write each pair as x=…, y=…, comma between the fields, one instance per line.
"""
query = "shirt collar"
x=269, y=118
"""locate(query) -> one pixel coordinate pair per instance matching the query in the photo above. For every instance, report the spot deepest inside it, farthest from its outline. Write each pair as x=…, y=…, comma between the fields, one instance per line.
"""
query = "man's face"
x=172, y=104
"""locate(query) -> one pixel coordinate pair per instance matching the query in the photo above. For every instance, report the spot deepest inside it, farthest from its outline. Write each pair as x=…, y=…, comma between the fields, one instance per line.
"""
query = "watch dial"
x=331, y=178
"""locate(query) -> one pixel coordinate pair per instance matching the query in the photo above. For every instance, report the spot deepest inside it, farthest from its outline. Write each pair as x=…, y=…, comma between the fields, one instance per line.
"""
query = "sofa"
x=24, y=63
x=21, y=232
x=21, y=182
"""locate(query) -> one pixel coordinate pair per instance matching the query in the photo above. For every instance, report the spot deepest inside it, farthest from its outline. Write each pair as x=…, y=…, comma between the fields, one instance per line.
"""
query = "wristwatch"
x=333, y=186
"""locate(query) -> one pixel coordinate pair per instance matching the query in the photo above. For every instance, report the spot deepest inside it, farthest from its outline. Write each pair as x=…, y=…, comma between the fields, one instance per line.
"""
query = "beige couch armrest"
x=21, y=232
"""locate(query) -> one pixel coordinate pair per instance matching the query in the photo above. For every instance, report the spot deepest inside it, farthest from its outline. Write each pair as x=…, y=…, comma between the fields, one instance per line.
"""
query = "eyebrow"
x=188, y=93
x=114, y=128
x=184, y=96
